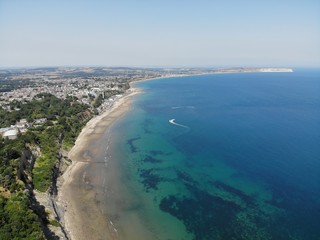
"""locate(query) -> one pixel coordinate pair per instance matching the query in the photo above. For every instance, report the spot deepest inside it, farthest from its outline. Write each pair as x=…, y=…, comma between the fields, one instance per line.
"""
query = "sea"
x=222, y=156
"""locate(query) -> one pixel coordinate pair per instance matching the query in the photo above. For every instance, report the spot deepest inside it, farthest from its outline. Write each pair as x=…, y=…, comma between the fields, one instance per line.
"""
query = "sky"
x=164, y=33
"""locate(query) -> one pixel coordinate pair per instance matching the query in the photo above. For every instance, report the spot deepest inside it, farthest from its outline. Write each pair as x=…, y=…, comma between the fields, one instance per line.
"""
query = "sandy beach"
x=78, y=195
x=83, y=183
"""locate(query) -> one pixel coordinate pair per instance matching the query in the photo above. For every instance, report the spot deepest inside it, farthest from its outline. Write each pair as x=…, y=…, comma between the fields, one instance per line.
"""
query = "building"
x=22, y=125
x=11, y=134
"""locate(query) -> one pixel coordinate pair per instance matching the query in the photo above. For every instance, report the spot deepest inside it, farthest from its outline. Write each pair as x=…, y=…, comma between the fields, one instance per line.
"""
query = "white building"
x=12, y=133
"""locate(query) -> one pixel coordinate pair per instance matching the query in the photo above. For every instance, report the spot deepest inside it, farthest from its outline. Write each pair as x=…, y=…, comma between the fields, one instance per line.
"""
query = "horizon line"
x=154, y=66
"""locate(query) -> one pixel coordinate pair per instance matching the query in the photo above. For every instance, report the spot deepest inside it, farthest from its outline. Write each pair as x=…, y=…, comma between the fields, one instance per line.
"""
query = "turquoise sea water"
x=240, y=160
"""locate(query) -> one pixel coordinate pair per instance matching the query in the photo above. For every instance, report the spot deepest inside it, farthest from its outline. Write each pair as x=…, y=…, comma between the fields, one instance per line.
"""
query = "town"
x=94, y=86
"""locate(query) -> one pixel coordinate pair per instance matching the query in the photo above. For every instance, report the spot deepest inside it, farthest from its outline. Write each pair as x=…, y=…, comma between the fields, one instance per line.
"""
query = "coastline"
x=222, y=71
x=76, y=195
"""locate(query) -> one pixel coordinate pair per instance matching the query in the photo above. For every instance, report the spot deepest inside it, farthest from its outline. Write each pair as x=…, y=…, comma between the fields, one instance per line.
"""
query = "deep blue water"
x=242, y=161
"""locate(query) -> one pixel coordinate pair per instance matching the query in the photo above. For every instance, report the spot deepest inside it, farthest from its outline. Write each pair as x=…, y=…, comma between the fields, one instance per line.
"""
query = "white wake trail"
x=172, y=121
x=178, y=107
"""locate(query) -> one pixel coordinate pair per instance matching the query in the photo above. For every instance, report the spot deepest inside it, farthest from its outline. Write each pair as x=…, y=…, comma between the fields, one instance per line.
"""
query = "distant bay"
x=225, y=156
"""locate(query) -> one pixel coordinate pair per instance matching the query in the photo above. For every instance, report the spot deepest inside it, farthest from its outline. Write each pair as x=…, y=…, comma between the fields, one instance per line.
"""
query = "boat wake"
x=172, y=121
x=178, y=107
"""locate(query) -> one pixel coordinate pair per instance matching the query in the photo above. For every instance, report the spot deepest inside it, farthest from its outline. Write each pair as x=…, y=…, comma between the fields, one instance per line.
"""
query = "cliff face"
x=57, y=212
x=252, y=70
x=276, y=70
x=44, y=204
x=27, y=161
x=24, y=173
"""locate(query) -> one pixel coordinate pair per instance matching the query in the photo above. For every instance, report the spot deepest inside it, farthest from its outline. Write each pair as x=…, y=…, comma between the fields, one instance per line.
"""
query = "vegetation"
x=65, y=119
x=48, y=141
x=44, y=105
x=20, y=174
x=17, y=220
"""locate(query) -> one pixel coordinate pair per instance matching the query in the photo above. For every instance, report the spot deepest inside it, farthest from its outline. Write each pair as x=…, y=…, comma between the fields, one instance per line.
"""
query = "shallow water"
x=219, y=157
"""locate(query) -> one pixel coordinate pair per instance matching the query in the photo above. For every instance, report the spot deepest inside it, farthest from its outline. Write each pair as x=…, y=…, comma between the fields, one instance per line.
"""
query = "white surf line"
x=172, y=121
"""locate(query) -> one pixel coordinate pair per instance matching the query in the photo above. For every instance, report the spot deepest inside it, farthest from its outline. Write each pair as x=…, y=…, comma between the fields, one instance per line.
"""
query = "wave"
x=172, y=121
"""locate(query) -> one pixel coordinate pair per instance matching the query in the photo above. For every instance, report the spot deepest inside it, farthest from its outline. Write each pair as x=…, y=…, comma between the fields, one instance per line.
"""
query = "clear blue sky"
x=160, y=33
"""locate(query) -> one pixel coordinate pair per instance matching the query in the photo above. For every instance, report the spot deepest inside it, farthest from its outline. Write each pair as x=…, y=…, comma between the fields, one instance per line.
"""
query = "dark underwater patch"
x=185, y=177
x=246, y=198
x=133, y=148
x=207, y=216
x=204, y=215
x=149, y=159
x=156, y=152
x=150, y=179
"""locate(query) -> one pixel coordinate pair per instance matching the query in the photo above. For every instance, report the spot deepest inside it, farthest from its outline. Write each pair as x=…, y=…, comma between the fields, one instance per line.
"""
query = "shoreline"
x=75, y=222
x=74, y=200
x=222, y=71
x=79, y=207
